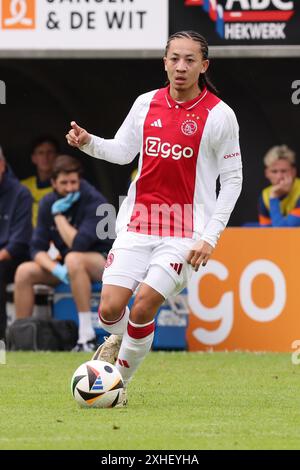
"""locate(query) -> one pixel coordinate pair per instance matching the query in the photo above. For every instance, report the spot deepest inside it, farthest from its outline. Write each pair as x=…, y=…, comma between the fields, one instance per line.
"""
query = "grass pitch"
x=176, y=401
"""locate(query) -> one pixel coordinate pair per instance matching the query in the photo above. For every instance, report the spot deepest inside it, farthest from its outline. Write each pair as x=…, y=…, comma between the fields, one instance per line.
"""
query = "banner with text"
x=239, y=22
x=247, y=297
x=83, y=25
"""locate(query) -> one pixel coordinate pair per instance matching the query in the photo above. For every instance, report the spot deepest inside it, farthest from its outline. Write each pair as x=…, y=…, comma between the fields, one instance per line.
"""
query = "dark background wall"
x=43, y=96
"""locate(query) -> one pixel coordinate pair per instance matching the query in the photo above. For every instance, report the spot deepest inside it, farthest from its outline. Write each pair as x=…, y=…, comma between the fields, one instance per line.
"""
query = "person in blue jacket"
x=67, y=217
x=15, y=231
x=279, y=203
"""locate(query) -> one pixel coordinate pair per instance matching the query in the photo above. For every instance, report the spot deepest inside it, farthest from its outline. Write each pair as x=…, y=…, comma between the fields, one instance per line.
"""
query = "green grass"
x=176, y=401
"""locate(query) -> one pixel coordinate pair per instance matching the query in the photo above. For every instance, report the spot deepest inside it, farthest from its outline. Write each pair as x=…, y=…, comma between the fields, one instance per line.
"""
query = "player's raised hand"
x=200, y=254
x=77, y=136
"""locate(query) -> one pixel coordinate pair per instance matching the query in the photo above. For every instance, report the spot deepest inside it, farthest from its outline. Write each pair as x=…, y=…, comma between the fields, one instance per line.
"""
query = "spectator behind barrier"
x=15, y=231
x=279, y=203
x=68, y=218
x=44, y=152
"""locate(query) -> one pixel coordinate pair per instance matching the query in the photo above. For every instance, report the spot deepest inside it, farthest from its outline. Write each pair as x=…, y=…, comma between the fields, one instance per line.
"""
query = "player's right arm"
x=77, y=136
x=122, y=149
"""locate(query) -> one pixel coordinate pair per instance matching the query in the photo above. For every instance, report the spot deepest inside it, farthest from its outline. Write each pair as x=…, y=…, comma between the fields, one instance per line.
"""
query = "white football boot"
x=123, y=400
x=108, y=351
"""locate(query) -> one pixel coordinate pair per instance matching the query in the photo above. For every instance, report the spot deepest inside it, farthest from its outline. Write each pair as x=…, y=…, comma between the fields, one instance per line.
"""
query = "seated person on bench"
x=68, y=218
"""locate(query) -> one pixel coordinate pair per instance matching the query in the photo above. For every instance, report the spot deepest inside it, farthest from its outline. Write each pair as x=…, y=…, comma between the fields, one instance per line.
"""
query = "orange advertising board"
x=248, y=295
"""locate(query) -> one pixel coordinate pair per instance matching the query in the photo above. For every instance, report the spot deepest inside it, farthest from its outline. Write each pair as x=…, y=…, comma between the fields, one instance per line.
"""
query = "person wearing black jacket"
x=15, y=231
x=66, y=217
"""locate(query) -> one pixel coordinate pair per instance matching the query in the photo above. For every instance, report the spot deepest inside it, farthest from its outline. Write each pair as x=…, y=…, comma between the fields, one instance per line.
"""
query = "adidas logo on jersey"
x=177, y=267
x=157, y=123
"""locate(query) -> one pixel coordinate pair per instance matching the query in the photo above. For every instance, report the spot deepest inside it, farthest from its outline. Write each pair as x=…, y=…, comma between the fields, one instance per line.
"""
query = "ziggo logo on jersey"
x=155, y=147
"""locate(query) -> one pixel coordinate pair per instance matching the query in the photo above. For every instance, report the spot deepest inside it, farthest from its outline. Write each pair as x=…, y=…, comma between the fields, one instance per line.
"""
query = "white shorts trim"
x=121, y=281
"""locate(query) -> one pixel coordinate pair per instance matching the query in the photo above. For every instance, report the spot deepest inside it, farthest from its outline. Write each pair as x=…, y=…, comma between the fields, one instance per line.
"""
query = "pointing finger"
x=76, y=128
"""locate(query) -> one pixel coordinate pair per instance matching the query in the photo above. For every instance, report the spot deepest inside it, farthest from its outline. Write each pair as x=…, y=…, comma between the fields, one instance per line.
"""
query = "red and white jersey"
x=183, y=148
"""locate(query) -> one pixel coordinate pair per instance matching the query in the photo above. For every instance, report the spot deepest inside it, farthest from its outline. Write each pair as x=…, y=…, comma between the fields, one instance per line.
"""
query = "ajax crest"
x=189, y=127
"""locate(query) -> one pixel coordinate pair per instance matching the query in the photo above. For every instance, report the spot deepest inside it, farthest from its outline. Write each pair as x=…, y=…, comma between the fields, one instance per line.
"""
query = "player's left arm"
x=200, y=254
x=226, y=152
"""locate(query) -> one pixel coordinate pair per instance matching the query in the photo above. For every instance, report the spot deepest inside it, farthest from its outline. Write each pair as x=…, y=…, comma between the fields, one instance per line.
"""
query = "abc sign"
x=259, y=4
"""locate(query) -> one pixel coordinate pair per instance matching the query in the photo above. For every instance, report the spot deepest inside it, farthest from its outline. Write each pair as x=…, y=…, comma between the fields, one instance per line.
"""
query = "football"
x=97, y=384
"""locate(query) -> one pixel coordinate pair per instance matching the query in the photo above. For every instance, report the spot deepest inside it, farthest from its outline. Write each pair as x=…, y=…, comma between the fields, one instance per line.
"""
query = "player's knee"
x=108, y=311
x=25, y=272
x=74, y=262
x=142, y=311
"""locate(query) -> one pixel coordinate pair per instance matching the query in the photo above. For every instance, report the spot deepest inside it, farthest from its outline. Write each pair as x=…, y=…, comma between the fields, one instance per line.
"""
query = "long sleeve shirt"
x=183, y=149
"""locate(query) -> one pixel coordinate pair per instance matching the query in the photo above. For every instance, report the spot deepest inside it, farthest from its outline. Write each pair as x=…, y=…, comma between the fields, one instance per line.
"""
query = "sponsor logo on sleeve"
x=232, y=155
